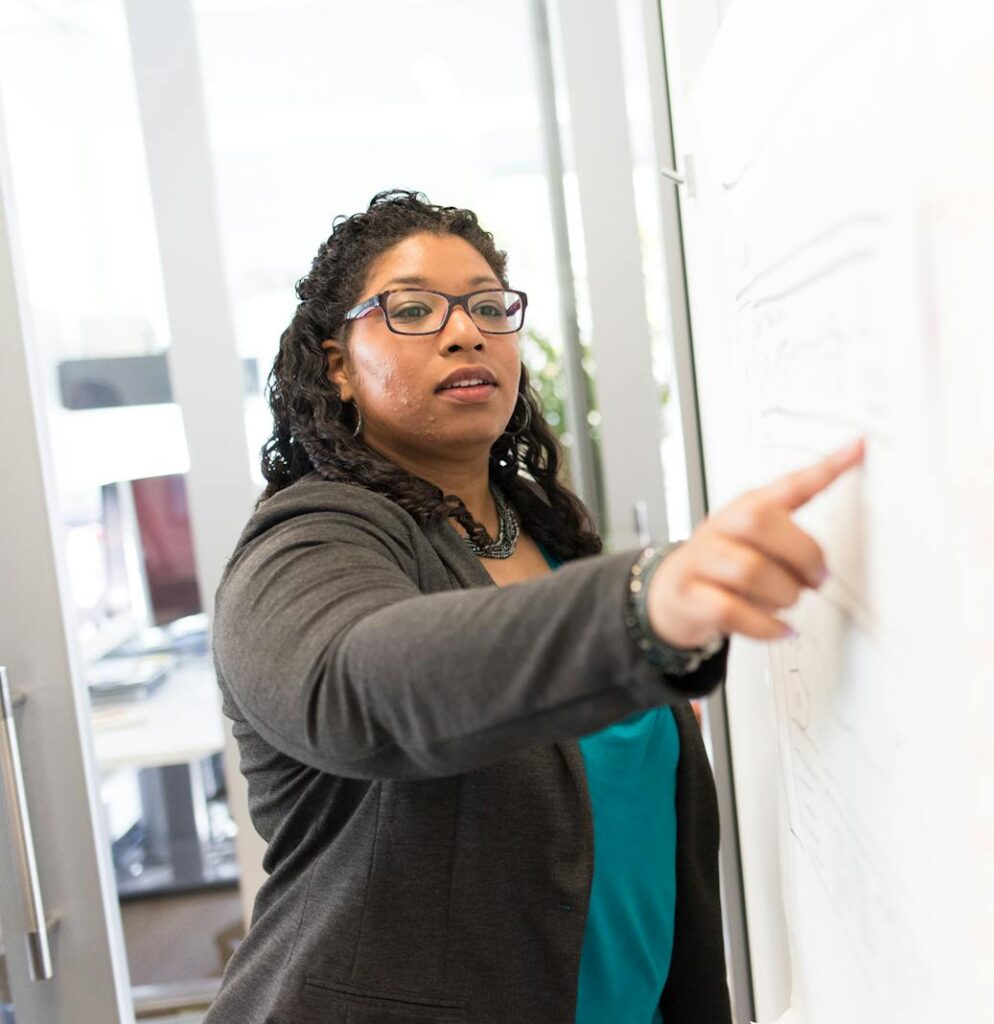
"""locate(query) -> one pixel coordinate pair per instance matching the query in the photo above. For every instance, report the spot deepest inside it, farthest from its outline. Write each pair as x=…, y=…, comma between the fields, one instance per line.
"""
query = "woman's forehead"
x=444, y=263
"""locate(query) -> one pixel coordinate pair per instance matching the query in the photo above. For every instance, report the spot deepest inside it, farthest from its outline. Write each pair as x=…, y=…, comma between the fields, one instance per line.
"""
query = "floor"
x=178, y=938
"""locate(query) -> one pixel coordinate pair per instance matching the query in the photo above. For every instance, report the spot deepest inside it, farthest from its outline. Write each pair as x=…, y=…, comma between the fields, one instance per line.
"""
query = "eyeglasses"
x=494, y=311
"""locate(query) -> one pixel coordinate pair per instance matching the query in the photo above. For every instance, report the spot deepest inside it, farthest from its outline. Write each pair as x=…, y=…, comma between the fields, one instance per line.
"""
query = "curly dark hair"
x=312, y=430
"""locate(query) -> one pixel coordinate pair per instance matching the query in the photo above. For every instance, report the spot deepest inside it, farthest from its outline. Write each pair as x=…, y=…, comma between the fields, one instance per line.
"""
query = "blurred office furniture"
x=159, y=752
x=156, y=722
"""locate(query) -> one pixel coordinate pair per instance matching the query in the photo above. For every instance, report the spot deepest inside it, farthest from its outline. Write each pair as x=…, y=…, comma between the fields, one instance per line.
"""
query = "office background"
x=168, y=172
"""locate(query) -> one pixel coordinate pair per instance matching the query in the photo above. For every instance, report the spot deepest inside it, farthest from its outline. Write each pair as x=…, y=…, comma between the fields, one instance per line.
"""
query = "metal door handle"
x=39, y=952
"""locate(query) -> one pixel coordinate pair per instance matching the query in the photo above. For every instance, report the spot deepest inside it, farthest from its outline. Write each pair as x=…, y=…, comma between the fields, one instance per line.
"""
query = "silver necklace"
x=507, y=534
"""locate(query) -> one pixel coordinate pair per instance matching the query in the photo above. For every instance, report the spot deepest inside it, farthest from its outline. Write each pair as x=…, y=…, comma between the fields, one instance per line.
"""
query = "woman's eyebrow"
x=422, y=282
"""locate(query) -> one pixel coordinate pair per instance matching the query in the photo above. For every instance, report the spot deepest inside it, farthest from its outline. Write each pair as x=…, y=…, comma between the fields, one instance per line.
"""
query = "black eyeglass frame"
x=379, y=302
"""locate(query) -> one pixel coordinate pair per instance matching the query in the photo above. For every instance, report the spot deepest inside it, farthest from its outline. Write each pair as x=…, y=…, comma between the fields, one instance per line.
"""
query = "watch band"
x=671, y=660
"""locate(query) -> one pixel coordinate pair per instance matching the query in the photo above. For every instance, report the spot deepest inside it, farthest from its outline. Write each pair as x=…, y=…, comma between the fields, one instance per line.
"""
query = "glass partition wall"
x=100, y=337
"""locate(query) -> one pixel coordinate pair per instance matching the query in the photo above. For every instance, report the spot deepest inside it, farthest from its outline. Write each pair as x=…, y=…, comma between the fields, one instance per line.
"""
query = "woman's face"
x=394, y=378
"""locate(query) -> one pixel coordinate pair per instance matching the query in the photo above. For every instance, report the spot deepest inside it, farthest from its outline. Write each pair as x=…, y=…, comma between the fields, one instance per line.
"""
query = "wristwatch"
x=678, y=661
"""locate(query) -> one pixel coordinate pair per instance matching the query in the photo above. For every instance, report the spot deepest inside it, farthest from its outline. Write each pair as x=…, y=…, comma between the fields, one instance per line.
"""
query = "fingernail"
x=821, y=577
x=788, y=633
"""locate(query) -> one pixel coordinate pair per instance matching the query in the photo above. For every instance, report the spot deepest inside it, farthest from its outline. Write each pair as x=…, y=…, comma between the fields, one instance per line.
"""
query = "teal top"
x=628, y=937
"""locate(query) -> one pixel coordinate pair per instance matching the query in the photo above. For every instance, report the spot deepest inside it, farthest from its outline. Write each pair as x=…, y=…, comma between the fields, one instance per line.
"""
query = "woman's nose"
x=460, y=330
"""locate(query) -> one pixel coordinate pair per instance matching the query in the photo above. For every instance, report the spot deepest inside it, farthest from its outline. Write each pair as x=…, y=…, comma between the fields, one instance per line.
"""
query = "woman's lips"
x=476, y=393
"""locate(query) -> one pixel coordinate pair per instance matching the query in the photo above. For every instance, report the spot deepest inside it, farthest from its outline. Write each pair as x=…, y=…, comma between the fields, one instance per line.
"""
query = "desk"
x=165, y=737
x=180, y=722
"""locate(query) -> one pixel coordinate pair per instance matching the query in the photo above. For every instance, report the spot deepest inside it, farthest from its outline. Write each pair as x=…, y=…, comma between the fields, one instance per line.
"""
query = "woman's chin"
x=447, y=437
x=479, y=425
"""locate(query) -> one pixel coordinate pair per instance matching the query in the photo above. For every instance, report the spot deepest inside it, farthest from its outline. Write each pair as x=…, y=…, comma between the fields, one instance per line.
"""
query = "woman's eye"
x=415, y=311
x=489, y=309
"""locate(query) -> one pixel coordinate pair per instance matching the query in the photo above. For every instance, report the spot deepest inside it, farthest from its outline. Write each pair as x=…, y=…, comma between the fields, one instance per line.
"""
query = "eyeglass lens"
x=416, y=312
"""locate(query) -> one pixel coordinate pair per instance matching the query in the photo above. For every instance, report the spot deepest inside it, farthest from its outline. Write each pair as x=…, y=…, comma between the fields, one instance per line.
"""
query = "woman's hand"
x=745, y=562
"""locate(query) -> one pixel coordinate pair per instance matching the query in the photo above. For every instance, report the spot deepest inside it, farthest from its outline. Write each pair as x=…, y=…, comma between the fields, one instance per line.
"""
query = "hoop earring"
x=528, y=418
x=358, y=425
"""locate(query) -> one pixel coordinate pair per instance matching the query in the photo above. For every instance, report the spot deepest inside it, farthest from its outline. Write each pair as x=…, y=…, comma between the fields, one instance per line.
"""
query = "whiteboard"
x=838, y=224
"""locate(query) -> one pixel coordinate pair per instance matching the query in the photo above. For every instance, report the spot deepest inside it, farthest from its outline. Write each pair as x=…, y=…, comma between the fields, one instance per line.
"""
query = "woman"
x=408, y=677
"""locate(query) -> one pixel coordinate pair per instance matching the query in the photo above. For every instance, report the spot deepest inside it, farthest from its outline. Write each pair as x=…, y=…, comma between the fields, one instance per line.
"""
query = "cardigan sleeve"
x=334, y=656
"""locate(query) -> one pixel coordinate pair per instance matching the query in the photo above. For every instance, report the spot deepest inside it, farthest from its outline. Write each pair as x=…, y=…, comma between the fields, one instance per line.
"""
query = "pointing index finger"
x=797, y=488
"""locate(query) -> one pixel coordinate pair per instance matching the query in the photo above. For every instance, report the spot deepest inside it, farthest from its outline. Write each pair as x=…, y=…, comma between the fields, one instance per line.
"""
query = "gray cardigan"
x=408, y=732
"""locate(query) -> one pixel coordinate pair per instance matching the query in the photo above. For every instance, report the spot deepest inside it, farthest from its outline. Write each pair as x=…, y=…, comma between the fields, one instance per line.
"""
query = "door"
x=126, y=482
x=62, y=936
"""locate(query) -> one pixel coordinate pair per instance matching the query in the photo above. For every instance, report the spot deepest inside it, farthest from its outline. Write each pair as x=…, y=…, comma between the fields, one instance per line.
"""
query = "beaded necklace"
x=507, y=534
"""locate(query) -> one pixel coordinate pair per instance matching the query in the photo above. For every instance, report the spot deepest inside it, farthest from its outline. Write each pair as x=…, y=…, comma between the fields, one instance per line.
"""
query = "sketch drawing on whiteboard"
x=810, y=243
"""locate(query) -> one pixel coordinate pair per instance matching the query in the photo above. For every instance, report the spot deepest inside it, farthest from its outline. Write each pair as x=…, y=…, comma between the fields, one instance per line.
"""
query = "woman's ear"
x=336, y=367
